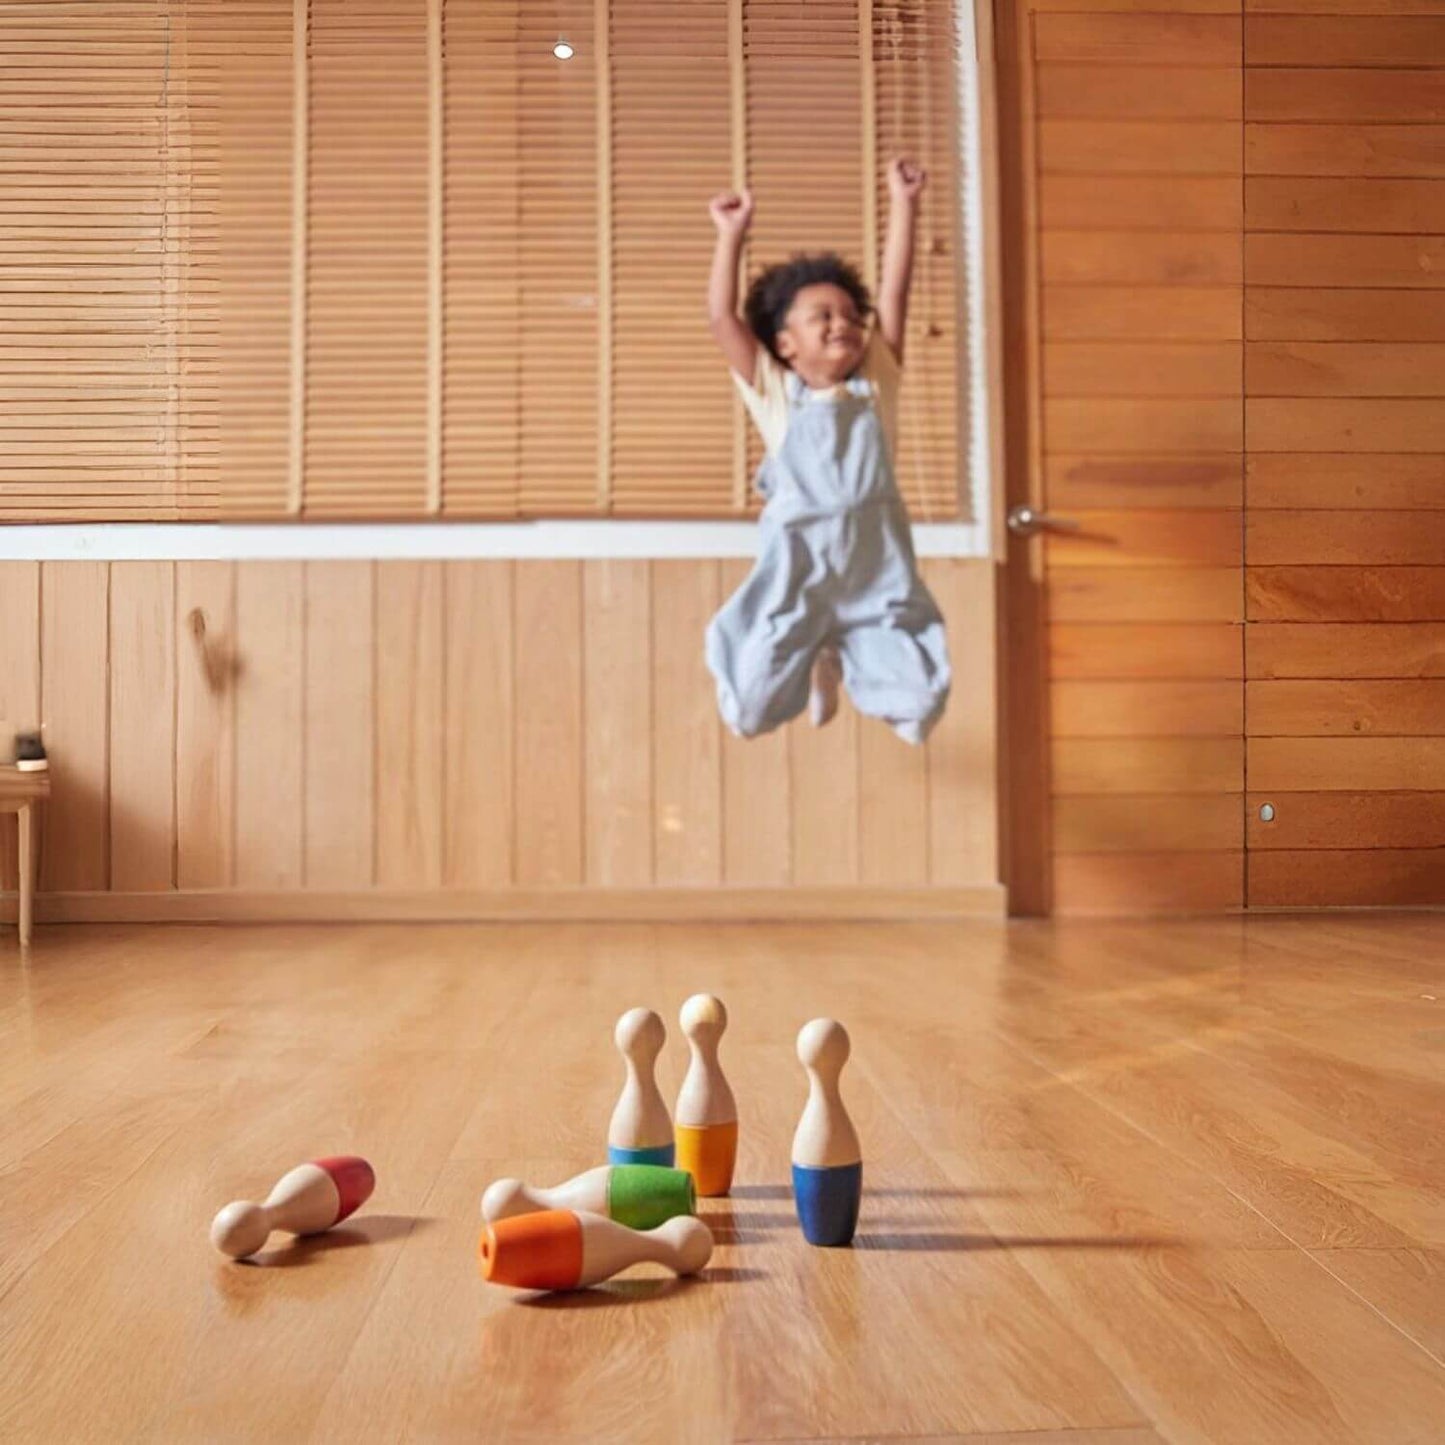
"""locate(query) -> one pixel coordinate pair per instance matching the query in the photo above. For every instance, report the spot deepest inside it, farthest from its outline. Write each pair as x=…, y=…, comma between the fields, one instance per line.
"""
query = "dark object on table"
x=30, y=753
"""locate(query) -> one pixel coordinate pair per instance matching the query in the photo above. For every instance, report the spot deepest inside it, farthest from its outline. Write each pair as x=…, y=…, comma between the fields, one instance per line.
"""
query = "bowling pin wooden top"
x=825, y=1137
x=640, y=1120
x=705, y=1098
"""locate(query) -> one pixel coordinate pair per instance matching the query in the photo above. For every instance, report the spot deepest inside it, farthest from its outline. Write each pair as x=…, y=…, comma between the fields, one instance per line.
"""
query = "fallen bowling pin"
x=311, y=1198
x=640, y=1131
x=827, y=1159
x=707, y=1114
x=641, y=1196
x=571, y=1249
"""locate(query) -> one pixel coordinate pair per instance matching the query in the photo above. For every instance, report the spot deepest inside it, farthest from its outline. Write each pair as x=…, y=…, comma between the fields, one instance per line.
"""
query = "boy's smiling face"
x=824, y=334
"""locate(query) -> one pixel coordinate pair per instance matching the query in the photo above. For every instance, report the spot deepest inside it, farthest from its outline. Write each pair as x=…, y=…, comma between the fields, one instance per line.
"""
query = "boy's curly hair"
x=770, y=297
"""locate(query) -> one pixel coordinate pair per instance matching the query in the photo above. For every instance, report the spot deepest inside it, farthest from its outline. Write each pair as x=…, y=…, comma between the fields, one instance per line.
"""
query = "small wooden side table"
x=19, y=793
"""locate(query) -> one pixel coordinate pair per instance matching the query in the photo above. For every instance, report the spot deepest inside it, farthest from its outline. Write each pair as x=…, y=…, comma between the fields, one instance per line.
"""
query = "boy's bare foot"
x=827, y=674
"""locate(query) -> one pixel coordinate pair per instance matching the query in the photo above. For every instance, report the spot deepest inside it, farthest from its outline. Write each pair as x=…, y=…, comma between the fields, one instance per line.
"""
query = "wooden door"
x=1122, y=162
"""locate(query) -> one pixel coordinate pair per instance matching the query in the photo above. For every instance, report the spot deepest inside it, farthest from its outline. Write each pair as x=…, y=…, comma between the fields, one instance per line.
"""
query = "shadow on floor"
x=373, y=1229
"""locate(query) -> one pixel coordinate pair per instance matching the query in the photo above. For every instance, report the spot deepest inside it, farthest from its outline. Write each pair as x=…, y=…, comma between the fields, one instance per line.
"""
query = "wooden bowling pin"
x=641, y=1128
x=570, y=1249
x=827, y=1160
x=641, y=1196
x=312, y=1197
x=707, y=1115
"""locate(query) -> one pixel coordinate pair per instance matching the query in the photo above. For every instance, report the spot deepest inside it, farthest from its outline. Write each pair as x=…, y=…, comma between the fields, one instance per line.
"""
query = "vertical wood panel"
x=617, y=737
x=19, y=677
x=892, y=807
x=757, y=813
x=205, y=729
x=686, y=731
x=142, y=726
x=74, y=631
x=962, y=751
x=270, y=603
x=339, y=827
x=478, y=822
x=409, y=713
x=823, y=773
x=548, y=643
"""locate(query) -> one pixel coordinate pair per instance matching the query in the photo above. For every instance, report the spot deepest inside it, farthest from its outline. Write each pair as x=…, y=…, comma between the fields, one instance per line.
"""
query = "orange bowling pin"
x=571, y=1249
x=707, y=1115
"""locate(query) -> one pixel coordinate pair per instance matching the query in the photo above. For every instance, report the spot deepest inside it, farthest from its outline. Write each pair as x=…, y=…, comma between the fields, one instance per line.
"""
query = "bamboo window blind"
x=394, y=259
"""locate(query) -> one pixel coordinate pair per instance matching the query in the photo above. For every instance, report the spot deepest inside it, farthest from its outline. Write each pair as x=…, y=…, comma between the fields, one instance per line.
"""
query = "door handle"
x=1025, y=522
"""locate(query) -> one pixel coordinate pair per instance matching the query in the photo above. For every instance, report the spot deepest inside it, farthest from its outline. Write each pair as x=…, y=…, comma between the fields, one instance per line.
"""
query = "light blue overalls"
x=836, y=565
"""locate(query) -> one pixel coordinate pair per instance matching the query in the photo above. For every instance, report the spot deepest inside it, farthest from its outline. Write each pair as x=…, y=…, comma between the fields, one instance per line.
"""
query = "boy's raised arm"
x=730, y=211
x=905, y=184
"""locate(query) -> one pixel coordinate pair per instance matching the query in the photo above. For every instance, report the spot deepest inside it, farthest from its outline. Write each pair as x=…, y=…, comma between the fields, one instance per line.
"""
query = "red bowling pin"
x=311, y=1198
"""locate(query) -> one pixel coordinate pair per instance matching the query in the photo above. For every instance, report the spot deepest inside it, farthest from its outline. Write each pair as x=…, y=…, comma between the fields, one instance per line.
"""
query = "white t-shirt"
x=766, y=397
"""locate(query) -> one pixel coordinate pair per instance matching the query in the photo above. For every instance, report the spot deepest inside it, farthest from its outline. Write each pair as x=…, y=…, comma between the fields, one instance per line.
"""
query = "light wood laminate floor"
x=1124, y=1183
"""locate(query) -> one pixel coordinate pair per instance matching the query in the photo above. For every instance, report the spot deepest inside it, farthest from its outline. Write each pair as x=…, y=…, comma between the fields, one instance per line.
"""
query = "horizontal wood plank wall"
x=1137, y=116
x=1345, y=428
x=431, y=730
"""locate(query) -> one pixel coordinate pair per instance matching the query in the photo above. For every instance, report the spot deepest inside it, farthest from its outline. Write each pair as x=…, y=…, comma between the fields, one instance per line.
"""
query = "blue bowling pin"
x=827, y=1159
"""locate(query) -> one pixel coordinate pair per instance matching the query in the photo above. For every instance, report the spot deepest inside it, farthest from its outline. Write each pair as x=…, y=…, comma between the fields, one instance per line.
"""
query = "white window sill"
x=317, y=541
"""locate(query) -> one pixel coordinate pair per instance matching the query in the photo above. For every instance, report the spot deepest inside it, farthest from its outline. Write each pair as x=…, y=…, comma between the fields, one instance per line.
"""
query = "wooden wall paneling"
x=893, y=807
x=823, y=786
x=1337, y=593
x=757, y=792
x=74, y=700
x=1320, y=538
x=1344, y=650
x=1346, y=878
x=410, y=711
x=1345, y=214
x=1301, y=480
x=342, y=760
x=686, y=729
x=549, y=720
x=19, y=677
x=1409, y=818
x=1329, y=707
x=270, y=724
x=479, y=826
x=1352, y=41
x=1357, y=764
x=142, y=706
x=206, y=726
x=963, y=821
x=618, y=710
